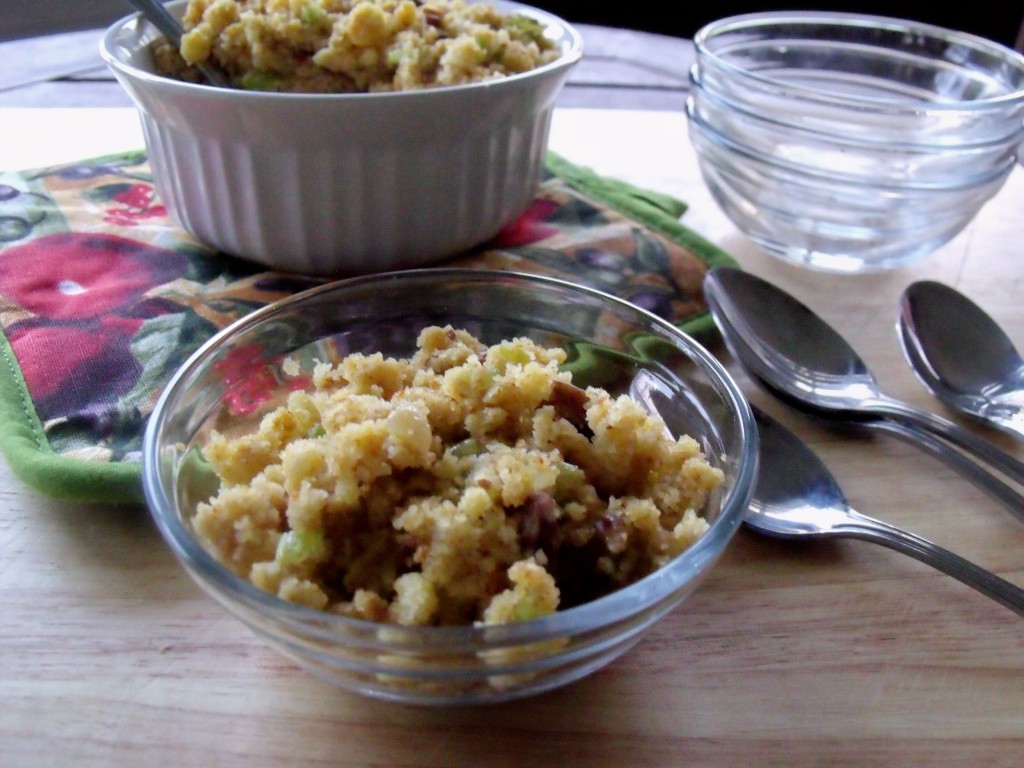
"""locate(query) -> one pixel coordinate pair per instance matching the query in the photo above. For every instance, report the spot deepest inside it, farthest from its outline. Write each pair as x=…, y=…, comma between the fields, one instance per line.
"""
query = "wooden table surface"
x=840, y=654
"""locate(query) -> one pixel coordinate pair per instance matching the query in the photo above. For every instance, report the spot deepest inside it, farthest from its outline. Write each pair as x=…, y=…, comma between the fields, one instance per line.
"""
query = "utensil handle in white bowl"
x=155, y=12
x=161, y=18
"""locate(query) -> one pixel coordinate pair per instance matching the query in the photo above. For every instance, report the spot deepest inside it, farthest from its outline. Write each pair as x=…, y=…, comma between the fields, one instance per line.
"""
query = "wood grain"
x=840, y=654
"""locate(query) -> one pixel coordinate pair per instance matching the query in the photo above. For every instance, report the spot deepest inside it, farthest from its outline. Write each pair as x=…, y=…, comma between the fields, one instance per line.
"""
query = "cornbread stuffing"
x=344, y=46
x=464, y=484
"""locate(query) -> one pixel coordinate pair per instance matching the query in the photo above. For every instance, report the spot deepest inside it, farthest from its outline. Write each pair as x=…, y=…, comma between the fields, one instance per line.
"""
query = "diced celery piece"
x=514, y=355
x=530, y=28
x=260, y=81
x=298, y=547
x=569, y=478
x=526, y=609
x=312, y=14
x=468, y=447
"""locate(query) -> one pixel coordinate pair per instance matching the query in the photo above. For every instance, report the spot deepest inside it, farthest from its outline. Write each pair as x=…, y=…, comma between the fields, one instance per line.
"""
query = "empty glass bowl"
x=834, y=140
x=235, y=379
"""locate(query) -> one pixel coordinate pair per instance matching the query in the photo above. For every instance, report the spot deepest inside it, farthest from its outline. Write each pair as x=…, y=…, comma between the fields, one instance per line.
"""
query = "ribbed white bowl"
x=343, y=183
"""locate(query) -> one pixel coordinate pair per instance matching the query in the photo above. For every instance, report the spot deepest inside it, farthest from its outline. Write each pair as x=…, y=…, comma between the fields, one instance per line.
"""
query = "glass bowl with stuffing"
x=450, y=486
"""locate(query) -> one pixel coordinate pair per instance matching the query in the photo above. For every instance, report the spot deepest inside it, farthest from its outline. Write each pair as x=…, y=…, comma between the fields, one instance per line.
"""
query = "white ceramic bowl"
x=335, y=184
x=852, y=143
x=612, y=344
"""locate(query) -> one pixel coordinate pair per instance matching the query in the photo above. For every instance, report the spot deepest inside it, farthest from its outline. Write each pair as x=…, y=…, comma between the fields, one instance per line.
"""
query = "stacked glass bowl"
x=852, y=143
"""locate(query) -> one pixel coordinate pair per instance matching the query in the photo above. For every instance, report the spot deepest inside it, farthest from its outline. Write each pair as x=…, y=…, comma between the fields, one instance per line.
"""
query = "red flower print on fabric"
x=59, y=361
x=75, y=276
x=138, y=202
x=531, y=227
x=250, y=382
x=85, y=297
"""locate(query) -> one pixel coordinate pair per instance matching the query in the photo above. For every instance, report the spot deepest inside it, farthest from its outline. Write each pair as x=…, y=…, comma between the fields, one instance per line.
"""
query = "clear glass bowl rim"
x=615, y=608
x=825, y=176
x=843, y=20
x=725, y=102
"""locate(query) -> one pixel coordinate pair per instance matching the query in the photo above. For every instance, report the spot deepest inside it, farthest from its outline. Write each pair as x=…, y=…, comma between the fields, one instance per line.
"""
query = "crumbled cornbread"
x=326, y=46
x=464, y=484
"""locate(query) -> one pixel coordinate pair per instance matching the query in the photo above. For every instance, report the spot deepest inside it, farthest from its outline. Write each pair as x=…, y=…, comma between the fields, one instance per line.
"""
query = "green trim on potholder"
x=112, y=197
x=28, y=453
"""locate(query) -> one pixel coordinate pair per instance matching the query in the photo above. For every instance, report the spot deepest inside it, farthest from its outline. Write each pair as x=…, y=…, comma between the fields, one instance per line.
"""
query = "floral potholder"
x=103, y=297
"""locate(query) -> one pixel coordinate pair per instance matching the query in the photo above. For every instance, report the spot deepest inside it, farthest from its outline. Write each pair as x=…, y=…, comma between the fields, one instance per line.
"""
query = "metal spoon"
x=801, y=359
x=161, y=18
x=939, y=449
x=797, y=497
x=961, y=355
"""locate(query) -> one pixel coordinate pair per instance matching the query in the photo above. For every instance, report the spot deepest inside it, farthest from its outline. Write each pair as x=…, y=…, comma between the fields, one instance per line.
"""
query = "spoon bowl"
x=796, y=497
x=797, y=356
x=961, y=355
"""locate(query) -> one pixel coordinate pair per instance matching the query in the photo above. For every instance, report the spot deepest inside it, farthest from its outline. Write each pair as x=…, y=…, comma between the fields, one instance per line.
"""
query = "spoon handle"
x=956, y=435
x=946, y=453
x=999, y=589
x=161, y=18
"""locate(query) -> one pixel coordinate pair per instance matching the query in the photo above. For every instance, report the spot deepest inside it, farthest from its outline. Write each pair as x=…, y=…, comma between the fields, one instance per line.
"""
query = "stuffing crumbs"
x=344, y=46
x=465, y=484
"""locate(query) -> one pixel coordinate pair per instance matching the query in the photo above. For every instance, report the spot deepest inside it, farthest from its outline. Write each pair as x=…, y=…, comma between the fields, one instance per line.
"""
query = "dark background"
x=998, y=20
